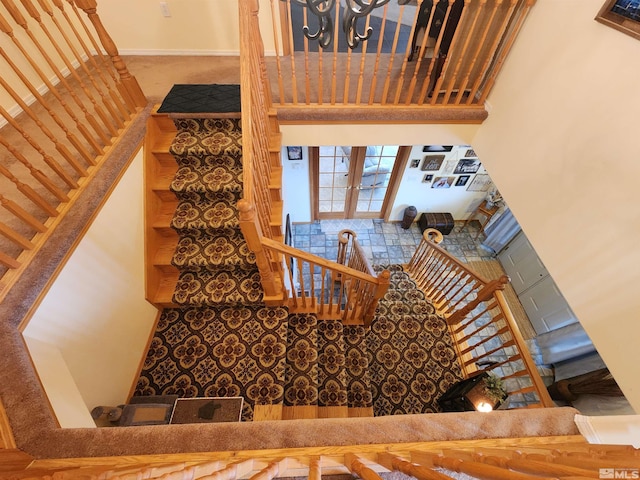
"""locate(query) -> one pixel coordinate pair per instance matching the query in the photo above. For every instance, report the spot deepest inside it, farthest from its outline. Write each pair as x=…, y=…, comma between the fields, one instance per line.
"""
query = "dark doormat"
x=206, y=410
x=195, y=98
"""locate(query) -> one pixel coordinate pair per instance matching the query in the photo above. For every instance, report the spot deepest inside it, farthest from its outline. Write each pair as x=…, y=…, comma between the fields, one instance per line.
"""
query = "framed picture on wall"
x=623, y=15
x=432, y=162
x=480, y=183
x=467, y=165
x=294, y=153
x=414, y=163
x=427, y=178
x=462, y=180
x=442, y=182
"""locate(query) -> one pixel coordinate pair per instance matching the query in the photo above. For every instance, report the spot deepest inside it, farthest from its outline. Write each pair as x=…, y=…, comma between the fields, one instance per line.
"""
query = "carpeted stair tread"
x=218, y=287
x=301, y=386
x=225, y=251
x=205, y=216
x=357, y=367
x=189, y=180
x=207, y=136
x=218, y=352
x=332, y=375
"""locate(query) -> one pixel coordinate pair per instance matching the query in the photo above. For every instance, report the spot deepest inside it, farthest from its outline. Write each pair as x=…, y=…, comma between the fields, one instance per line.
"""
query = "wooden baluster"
x=15, y=237
x=484, y=294
x=108, y=66
x=4, y=25
x=112, y=108
x=470, y=349
x=376, y=66
x=128, y=81
x=34, y=91
x=363, y=57
x=428, y=81
x=276, y=43
x=269, y=472
x=35, y=14
x=475, y=469
x=37, y=174
x=303, y=293
x=292, y=56
x=315, y=470
x=469, y=31
x=397, y=464
x=29, y=192
x=324, y=292
x=307, y=81
x=334, y=65
x=420, y=59
x=497, y=38
x=480, y=43
x=396, y=36
x=120, y=105
x=62, y=149
x=355, y=465
x=252, y=234
x=54, y=165
x=507, y=44
x=230, y=472
x=8, y=261
x=347, y=78
x=384, y=280
x=294, y=294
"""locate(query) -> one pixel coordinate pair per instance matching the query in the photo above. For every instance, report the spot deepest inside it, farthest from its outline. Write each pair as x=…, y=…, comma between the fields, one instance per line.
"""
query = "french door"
x=354, y=182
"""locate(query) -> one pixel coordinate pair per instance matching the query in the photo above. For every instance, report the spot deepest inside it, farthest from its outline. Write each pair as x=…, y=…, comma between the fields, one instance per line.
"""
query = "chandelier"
x=353, y=11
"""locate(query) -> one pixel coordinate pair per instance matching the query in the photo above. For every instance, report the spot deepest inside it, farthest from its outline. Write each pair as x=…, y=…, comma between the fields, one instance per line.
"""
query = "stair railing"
x=485, y=333
x=351, y=254
x=53, y=155
x=400, y=66
x=260, y=150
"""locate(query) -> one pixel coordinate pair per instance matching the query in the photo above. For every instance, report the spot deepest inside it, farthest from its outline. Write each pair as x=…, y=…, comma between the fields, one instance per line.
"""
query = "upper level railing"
x=416, y=56
x=485, y=333
x=66, y=97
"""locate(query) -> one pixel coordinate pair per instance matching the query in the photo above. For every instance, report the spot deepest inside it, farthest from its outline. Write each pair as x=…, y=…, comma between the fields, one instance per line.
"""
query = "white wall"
x=95, y=314
x=561, y=144
x=296, y=188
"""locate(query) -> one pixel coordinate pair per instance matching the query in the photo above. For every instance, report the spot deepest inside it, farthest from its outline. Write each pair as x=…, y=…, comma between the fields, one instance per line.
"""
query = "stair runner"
x=222, y=341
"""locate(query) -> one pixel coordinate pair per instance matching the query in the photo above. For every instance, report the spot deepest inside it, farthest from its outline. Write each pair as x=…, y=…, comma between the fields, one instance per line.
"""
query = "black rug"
x=215, y=98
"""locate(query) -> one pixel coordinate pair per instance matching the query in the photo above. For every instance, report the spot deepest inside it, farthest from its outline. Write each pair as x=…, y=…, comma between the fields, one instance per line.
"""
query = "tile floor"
x=386, y=243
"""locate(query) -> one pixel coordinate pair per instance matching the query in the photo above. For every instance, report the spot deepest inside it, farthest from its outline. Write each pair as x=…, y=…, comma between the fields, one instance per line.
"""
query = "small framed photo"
x=414, y=163
x=432, y=162
x=623, y=15
x=480, y=183
x=462, y=180
x=467, y=165
x=442, y=182
x=294, y=153
x=427, y=178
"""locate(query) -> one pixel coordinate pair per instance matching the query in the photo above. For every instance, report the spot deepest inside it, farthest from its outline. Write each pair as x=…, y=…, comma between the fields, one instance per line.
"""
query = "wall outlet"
x=164, y=8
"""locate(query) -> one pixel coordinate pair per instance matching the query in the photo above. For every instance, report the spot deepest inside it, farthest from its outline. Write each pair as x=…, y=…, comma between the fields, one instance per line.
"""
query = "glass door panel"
x=332, y=180
x=376, y=173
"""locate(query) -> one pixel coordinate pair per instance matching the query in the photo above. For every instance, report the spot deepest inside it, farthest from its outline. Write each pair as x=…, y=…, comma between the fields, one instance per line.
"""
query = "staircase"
x=217, y=338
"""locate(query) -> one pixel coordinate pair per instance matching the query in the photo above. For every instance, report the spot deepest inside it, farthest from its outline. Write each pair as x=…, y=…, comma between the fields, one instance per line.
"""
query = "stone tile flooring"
x=386, y=242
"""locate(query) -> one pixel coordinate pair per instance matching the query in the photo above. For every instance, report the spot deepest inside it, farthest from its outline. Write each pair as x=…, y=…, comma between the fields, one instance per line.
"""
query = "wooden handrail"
x=350, y=252
x=100, y=100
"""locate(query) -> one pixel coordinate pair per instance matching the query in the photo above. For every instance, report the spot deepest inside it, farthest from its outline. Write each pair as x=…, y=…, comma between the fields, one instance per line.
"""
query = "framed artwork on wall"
x=427, y=178
x=442, y=182
x=414, y=163
x=432, y=162
x=623, y=15
x=467, y=165
x=462, y=180
x=480, y=183
x=294, y=153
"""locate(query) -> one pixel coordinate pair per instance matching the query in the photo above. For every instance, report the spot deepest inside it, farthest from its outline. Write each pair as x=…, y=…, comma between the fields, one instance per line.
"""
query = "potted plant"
x=494, y=388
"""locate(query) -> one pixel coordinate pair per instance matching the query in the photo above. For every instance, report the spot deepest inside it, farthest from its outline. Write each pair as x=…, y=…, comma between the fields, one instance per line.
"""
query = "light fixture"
x=484, y=407
x=353, y=11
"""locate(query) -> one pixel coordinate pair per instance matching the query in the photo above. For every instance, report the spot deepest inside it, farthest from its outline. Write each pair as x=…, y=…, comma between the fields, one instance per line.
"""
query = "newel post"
x=484, y=294
x=384, y=279
x=252, y=235
x=128, y=81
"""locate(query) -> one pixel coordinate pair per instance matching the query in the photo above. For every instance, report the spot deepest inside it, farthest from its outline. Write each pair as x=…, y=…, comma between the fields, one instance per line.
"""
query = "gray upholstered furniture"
x=371, y=167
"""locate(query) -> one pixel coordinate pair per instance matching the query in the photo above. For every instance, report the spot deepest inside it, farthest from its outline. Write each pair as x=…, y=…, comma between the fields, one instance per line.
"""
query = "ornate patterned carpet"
x=223, y=341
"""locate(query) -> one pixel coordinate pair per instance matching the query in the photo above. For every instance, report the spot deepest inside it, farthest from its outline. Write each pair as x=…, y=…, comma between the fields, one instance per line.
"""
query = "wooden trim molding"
x=614, y=20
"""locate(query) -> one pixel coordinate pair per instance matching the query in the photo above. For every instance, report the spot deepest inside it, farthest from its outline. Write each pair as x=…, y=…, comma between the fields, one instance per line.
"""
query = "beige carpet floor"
x=491, y=269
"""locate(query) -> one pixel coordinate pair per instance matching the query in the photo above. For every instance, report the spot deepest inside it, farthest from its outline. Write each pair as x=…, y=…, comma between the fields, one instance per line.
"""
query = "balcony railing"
x=416, y=57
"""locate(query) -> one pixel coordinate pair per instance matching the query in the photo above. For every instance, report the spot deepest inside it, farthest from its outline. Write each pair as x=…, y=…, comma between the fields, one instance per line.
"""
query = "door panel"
x=522, y=264
x=353, y=182
x=546, y=307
